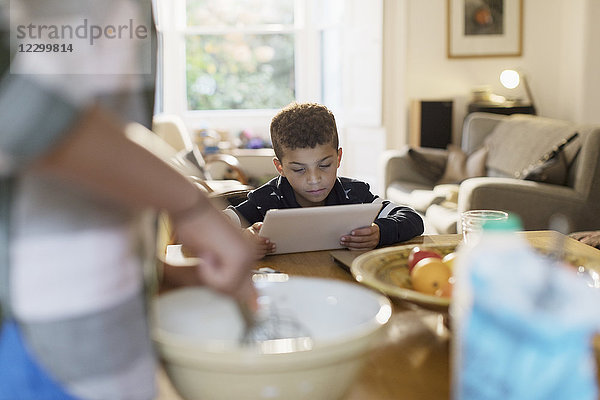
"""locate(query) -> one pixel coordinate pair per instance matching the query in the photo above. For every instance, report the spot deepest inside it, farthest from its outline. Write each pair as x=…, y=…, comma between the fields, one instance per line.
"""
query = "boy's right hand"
x=262, y=245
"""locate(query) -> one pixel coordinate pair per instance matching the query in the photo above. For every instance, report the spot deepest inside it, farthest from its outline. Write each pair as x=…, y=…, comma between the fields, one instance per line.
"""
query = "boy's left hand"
x=362, y=238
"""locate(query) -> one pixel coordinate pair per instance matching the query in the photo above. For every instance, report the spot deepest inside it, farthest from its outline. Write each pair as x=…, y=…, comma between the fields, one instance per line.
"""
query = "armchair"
x=171, y=129
x=185, y=161
x=513, y=143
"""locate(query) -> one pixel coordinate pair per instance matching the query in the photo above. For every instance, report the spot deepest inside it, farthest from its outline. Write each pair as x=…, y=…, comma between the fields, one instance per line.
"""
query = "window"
x=230, y=64
x=249, y=56
x=327, y=51
x=239, y=54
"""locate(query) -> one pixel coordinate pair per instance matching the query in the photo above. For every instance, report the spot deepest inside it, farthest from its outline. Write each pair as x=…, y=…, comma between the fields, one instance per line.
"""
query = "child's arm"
x=398, y=223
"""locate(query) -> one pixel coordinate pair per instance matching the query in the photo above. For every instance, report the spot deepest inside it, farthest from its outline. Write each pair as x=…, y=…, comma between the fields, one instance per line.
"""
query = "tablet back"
x=315, y=228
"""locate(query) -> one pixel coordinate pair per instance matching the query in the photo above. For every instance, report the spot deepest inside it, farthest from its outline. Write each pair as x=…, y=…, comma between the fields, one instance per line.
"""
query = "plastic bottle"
x=516, y=334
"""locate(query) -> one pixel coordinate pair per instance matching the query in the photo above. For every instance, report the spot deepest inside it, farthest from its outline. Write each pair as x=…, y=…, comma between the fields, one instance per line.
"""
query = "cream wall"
x=560, y=57
x=591, y=73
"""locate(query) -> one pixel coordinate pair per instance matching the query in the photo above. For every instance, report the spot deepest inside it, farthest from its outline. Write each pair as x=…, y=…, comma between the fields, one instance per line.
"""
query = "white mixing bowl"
x=197, y=332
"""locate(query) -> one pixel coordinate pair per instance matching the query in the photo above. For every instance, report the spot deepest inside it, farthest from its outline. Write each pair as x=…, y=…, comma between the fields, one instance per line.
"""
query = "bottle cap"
x=511, y=224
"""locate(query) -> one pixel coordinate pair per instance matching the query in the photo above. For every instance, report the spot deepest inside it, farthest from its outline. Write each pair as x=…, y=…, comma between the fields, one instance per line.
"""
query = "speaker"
x=430, y=123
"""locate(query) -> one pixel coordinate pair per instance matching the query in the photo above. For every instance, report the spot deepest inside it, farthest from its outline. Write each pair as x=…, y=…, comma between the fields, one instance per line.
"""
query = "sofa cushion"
x=461, y=166
x=519, y=141
x=449, y=191
x=430, y=165
x=418, y=197
x=442, y=219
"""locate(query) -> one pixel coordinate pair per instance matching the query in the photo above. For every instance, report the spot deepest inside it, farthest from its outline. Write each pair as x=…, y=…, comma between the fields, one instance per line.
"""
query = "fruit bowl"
x=387, y=271
x=197, y=333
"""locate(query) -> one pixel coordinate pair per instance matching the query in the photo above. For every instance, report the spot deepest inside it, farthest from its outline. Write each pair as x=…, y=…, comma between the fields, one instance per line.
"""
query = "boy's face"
x=311, y=172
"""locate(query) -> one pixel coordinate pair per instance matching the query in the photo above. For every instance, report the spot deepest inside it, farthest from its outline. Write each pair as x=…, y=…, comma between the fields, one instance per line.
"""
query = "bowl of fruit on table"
x=424, y=274
x=419, y=274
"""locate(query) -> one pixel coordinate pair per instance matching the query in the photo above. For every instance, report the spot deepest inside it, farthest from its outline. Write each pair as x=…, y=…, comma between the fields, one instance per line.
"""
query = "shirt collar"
x=287, y=192
x=336, y=196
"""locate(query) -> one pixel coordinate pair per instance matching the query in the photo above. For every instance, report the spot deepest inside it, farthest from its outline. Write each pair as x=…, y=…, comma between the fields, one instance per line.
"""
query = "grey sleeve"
x=32, y=118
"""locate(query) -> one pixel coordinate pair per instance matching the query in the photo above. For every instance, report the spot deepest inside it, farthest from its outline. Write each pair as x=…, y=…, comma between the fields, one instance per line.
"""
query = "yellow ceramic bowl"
x=197, y=332
x=386, y=270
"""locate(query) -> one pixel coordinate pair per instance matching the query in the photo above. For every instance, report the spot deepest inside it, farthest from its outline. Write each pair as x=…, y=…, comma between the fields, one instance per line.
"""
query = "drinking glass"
x=472, y=221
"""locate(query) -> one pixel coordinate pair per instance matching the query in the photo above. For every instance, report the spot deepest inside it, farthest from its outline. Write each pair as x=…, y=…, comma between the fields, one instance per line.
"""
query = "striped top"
x=72, y=261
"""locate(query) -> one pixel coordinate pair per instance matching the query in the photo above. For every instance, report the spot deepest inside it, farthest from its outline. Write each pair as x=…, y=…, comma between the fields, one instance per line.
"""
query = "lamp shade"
x=510, y=79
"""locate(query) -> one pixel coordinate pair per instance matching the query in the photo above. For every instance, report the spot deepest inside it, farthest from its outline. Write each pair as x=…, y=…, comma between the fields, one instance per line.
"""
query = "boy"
x=307, y=157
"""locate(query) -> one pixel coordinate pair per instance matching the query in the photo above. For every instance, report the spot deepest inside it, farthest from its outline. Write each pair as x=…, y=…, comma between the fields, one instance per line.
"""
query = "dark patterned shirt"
x=396, y=223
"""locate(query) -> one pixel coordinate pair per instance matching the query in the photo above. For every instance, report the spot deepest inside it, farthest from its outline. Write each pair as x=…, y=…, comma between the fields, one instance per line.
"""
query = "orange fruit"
x=449, y=260
x=417, y=254
x=429, y=275
x=446, y=289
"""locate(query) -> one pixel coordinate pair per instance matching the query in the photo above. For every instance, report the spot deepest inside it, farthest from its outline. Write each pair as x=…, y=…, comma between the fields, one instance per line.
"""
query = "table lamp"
x=510, y=79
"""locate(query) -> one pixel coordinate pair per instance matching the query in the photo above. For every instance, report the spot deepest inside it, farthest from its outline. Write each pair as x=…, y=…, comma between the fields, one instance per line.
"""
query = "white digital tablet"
x=315, y=228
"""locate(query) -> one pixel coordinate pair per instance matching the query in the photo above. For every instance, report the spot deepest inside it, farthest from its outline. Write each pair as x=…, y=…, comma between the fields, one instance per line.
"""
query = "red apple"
x=417, y=254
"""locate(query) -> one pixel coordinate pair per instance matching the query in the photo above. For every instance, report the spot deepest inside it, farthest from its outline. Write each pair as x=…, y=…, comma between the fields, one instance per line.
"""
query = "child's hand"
x=262, y=245
x=366, y=238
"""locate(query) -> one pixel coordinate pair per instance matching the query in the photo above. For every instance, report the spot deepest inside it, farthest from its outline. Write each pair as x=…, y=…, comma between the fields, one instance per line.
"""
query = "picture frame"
x=485, y=28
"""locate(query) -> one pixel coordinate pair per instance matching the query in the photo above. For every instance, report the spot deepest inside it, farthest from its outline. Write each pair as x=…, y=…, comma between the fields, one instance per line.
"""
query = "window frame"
x=358, y=116
x=174, y=96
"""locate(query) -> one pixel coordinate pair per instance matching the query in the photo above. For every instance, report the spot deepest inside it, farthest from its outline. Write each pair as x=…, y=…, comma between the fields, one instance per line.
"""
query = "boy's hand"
x=262, y=245
x=366, y=238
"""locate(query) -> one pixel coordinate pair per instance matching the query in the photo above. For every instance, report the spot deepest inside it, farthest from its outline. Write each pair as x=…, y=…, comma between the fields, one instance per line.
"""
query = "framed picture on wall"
x=485, y=28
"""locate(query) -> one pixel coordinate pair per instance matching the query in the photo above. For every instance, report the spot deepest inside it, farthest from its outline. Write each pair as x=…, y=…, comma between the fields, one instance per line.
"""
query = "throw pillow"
x=552, y=167
x=552, y=171
x=461, y=166
x=520, y=140
x=428, y=163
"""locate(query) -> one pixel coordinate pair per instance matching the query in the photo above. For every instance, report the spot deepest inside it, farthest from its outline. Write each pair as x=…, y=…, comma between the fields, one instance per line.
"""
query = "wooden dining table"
x=413, y=361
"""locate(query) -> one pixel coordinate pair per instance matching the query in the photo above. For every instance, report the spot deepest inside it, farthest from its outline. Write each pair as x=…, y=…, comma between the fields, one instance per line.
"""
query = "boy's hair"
x=303, y=125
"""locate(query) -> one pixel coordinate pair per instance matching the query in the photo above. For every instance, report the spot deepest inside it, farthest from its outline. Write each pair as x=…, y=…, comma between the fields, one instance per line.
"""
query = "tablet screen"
x=315, y=228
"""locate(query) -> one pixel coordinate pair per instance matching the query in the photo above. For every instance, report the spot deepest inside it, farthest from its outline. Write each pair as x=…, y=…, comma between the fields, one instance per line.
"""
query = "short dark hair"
x=303, y=125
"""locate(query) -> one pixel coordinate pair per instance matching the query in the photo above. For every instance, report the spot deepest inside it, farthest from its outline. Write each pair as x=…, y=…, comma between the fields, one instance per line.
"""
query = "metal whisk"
x=272, y=332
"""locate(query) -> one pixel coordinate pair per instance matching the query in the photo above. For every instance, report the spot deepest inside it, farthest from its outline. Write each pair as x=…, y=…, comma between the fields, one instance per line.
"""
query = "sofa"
x=502, y=163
